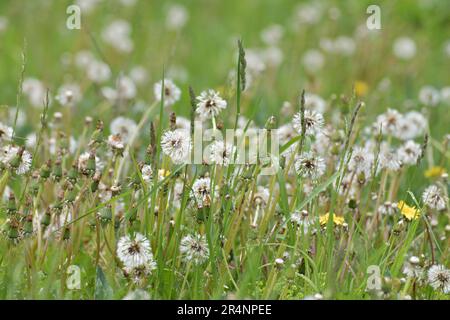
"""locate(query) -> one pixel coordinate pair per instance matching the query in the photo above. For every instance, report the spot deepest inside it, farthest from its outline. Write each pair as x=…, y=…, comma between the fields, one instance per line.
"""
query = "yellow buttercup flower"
x=323, y=219
x=434, y=172
x=410, y=213
x=361, y=88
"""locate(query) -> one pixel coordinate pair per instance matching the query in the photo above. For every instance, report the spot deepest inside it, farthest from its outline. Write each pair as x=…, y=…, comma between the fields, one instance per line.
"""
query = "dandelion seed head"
x=313, y=122
x=410, y=213
x=147, y=173
x=194, y=249
x=35, y=91
x=221, y=153
x=439, y=278
x=9, y=154
x=115, y=142
x=6, y=133
x=272, y=34
x=412, y=269
x=404, y=48
x=98, y=71
x=69, y=95
x=261, y=197
x=337, y=220
x=313, y=60
x=135, y=252
x=201, y=192
x=117, y=34
x=434, y=197
x=176, y=145
x=209, y=104
x=389, y=160
x=429, y=96
x=361, y=161
x=409, y=152
x=83, y=162
x=302, y=220
x=388, y=122
x=139, y=273
x=310, y=165
x=177, y=17
x=411, y=126
x=124, y=127
x=137, y=294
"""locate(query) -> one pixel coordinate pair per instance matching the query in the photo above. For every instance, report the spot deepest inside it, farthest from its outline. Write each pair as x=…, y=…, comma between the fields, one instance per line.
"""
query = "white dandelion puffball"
x=117, y=35
x=83, y=58
x=388, y=122
x=6, y=133
x=221, y=153
x=310, y=165
x=315, y=103
x=313, y=60
x=128, y=3
x=35, y=91
x=429, y=96
x=255, y=62
x=69, y=95
x=272, y=56
x=3, y=23
x=115, y=142
x=98, y=71
x=139, y=75
x=126, y=88
x=124, y=126
x=83, y=162
x=447, y=48
x=272, y=34
x=134, y=252
x=209, y=104
x=176, y=145
x=389, y=160
x=434, y=198
x=201, y=192
x=445, y=95
x=409, y=152
x=9, y=153
x=177, y=17
x=411, y=125
x=194, y=248
x=313, y=122
x=344, y=46
x=439, y=278
x=361, y=161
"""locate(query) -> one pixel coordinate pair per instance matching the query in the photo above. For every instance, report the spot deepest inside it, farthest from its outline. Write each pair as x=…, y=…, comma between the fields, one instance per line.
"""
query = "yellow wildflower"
x=434, y=172
x=323, y=219
x=410, y=213
x=361, y=88
x=163, y=173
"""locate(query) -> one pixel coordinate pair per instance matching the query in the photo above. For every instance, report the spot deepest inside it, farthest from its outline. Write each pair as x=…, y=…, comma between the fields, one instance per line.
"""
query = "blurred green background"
x=204, y=51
